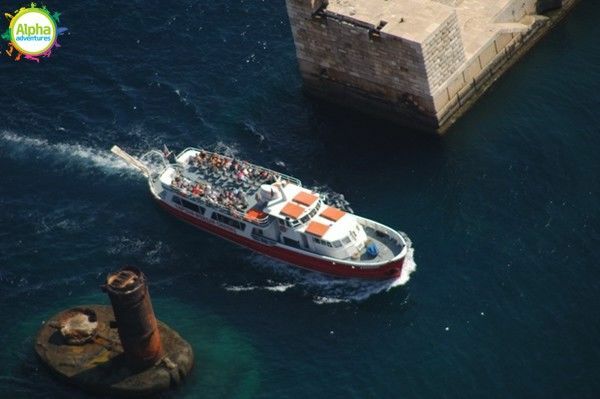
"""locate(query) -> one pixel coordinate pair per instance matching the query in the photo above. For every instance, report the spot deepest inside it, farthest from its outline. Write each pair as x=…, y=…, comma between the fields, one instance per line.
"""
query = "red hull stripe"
x=387, y=271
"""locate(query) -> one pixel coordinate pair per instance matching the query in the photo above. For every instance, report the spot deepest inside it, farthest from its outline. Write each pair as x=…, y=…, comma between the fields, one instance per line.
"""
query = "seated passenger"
x=197, y=190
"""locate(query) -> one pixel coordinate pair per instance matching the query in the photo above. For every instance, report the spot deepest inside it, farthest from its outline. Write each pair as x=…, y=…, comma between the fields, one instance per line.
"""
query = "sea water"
x=499, y=297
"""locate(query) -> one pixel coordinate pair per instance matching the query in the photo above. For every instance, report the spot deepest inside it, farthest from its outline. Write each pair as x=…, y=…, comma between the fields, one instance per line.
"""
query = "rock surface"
x=99, y=365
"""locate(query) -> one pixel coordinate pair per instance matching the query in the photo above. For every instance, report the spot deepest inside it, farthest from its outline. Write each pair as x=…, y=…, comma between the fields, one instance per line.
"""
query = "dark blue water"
x=502, y=212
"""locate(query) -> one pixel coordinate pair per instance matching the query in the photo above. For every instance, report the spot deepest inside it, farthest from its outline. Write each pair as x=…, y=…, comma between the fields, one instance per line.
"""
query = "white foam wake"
x=274, y=287
x=86, y=156
x=321, y=288
x=149, y=251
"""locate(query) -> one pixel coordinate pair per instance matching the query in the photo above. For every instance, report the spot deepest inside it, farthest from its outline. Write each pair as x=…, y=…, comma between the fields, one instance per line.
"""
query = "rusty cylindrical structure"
x=136, y=323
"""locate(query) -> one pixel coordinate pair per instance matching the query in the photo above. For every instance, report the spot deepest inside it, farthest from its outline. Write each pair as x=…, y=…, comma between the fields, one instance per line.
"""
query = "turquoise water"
x=502, y=212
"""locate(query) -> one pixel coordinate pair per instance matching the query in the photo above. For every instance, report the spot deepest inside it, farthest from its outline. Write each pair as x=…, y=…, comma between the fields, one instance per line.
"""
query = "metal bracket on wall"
x=375, y=34
x=319, y=14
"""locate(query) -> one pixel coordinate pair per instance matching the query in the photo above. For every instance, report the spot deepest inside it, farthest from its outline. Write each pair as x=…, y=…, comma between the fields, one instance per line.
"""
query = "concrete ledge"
x=494, y=71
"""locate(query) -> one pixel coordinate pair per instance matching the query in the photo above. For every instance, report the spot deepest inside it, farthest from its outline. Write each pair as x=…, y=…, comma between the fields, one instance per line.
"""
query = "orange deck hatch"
x=292, y=210
x=332, y=214
x=317, y=229
x=305, y=198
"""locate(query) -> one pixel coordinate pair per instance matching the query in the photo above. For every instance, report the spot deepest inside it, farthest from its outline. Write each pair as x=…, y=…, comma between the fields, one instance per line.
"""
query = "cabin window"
x=346, y=240
x=228, y=221
x=318, y=241
x=310, y=214
x=336, y=244
x=292, y=243
x=189, y=205
x=324, y=243
x=257, y=231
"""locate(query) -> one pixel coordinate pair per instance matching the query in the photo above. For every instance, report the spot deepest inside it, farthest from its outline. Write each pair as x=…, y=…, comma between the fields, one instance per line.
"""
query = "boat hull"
x=387, y=271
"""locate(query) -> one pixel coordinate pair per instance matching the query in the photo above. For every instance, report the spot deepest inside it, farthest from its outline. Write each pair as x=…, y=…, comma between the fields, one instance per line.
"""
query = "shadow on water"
x=373, y=143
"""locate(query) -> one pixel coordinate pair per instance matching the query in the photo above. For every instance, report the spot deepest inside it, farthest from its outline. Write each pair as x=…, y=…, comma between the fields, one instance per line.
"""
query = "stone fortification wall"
x=443, y=53
x=419, y=62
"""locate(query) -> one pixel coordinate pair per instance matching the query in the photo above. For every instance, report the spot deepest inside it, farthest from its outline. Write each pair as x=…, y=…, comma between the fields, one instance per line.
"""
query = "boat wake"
x=230, y=150
x=148, y=251
x=23, y=146
x=323, y=289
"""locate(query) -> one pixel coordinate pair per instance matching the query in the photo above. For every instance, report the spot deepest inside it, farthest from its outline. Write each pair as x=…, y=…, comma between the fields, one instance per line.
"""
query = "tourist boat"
x=270, y=213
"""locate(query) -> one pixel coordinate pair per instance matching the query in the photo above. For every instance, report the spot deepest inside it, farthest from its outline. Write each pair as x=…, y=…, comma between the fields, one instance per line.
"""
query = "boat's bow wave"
x=323, y=289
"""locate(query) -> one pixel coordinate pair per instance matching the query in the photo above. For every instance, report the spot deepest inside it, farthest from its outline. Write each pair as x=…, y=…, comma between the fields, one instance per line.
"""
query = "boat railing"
x=260, y=222
x=226, y=210
x=282, y=176
x=202, y=200
x=383, y=229
x=164, y=162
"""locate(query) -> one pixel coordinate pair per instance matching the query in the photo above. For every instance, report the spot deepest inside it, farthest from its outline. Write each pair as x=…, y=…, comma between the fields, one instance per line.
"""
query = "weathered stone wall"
x=470, y=73
x=420, y=82
x=337, y=49
x=331, y=48
x=443, y=53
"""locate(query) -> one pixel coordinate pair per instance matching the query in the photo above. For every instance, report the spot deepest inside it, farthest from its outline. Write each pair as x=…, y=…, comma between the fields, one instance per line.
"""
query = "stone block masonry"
x=421, y=63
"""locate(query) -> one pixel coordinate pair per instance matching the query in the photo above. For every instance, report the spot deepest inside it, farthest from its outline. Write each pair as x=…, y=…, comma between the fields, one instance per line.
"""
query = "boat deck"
x=221, y=181
x=387, y=247
x=225, y=180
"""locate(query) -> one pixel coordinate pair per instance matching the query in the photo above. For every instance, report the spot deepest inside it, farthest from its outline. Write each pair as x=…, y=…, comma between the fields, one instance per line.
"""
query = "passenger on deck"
x=197, y=191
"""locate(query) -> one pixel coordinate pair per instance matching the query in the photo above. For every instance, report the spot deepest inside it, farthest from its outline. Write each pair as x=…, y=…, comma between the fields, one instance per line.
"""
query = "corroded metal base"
x=99, y=365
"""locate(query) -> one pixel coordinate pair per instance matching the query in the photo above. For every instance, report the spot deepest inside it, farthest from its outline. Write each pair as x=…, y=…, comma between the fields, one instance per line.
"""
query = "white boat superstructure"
x=274, y=214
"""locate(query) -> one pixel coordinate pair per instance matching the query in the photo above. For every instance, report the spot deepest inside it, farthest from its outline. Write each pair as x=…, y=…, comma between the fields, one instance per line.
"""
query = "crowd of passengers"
x=226, y=198
x=238, y=170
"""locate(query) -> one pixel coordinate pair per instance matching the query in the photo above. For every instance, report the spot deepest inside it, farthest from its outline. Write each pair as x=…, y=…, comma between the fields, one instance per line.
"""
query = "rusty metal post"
x=134, y=315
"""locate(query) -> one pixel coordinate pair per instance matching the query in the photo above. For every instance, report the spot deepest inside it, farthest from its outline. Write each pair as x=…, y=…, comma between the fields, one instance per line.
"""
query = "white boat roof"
x=296, y=202
x=288, y=191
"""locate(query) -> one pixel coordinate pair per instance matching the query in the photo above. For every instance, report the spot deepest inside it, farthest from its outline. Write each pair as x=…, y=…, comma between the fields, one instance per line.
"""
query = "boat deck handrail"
x=224, y=209
x=203, y=201
x=379, y=227
x=165, y=162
